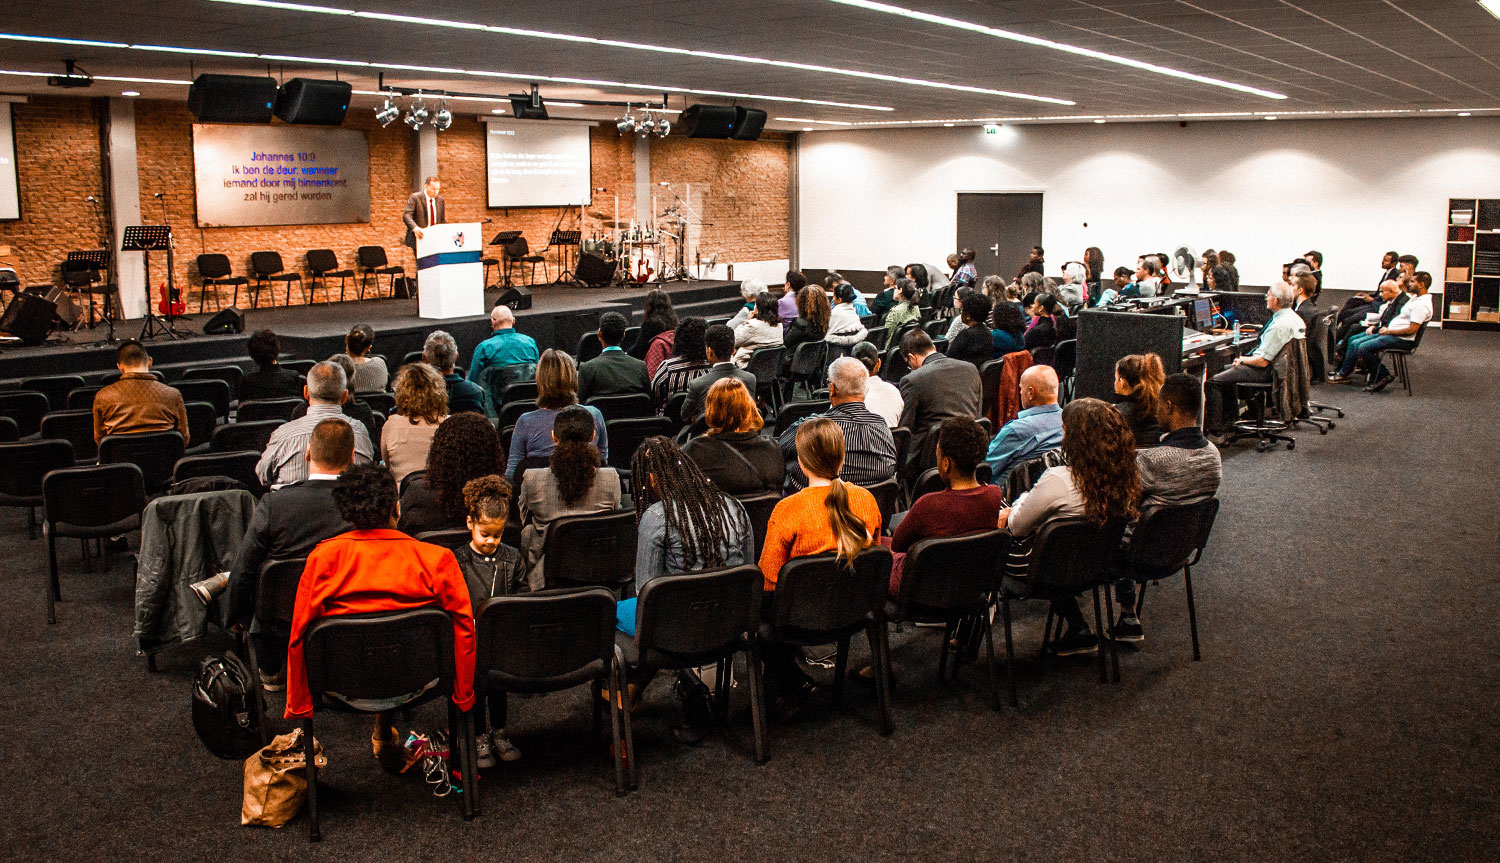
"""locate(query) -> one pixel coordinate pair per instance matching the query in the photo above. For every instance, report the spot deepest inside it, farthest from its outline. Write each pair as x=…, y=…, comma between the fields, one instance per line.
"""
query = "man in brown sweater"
x=137, y=402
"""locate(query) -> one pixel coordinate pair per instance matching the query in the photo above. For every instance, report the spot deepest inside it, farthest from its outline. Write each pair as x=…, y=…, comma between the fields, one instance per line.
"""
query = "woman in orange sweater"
x=828, y=515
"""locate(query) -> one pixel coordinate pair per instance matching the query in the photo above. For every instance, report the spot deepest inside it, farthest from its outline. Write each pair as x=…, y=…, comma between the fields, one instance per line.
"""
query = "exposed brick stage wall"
x=59, y=161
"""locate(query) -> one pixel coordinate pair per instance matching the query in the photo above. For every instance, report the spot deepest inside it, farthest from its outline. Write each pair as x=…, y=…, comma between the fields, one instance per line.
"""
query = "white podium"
x=450, y=276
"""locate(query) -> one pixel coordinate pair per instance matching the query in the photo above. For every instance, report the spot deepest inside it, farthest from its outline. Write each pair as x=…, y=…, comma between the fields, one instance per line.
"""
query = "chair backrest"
x=697, y=617
x=632, y=335
x=23, y=464
x=886, y=493
x=212, y=390
x=154, y=453
x=497, y=380
x=111, y=377
x=381, y=403
x=894, y=367
x=26, y=408
x=55, y=387
x=214, y=266
x=276, y=590
x=93, y=496
x=673, y=409
x=229, y=374
x=238, y=466
x=589, y=347
x=989, y=385
x=1167, y=537
x=1075, y=554
x=512, y=411
x=202, y=418
x=1024, y=475
x=877, y=337
x=598, y=548
x=372, y=257
x=379, y=656
x=937, y=329
x=818, y=594
x=788, y=414
x=256, y=410
x=808, y=361
x=624, y=406
x=454, y=538
x=901, y=436
x=266, y=263
x=320, y=261
x=544, y=640
x=82, y=398
x=951, y=572
x=625, y=437
x=759, y=507
x=929, y=482
x=301, y=367
x=1067, y=359
x=1044, y=355
x=75, y=427
x=519, y=390
x=517, y=248
x=235, y=437
x=9, y=431
x=765, y=364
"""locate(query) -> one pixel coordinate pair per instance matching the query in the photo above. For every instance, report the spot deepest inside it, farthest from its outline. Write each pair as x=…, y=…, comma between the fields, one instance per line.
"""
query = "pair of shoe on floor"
x=493, y=745
x=1374, y=386
x=1082, y=642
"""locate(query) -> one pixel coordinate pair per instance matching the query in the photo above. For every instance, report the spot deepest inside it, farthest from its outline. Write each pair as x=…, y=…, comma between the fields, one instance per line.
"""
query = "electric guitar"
x=171, y=303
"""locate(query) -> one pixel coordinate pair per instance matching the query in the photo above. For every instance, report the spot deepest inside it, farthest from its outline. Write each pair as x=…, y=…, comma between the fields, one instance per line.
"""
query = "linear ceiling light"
x=806, y=120
x=645, y=46
x=443, y=70
x=1060, y=46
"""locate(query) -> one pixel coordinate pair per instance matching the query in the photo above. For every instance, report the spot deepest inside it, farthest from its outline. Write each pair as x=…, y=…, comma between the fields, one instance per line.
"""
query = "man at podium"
x=423, y=210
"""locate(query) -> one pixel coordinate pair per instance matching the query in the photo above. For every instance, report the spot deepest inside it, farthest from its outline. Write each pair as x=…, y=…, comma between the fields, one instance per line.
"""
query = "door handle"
x=996, y=249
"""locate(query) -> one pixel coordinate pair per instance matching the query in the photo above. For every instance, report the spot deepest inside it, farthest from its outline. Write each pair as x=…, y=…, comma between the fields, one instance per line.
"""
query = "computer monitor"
x=1203, y=313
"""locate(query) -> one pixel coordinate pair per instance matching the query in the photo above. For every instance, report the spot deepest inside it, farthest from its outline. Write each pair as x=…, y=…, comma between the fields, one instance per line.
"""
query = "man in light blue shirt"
x=505, y=347
x=1036, y=429
x=1285, y=326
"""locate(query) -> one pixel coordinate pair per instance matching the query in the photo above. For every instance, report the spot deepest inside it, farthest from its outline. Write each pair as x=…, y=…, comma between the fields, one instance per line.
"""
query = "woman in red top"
x=374, y=568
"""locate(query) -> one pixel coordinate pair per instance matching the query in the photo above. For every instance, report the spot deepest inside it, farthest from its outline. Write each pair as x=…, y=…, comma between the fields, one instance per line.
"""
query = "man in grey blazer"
x=423, y=210
x=719, y=341
x=937, y=388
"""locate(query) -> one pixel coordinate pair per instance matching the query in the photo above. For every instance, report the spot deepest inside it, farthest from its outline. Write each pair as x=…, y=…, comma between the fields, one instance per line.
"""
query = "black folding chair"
x=384, y=656
x=22, y=466
x=54, y=387
x=625, y=405
x=323, y=264
x=237, y=437
x=759, y=507
x=259, y=410
x=229, y=374
x=215, y=272
x=373, y=262
x=455, y=538
x=93, y=502
x=155, y=453
x=887, y=494
x=202, y=419
x=212, y=390
x=807, y=368
x=765, y=364
x=512, y=411
x=594, y=549
x=268, y=270
x=82, y=398
x=275, y=603
x=381, y=403
x=9, y=431
x=626, y=436
x=238, y=466
x=26, y=408
x=75, y=427
x=790, y=412
x=1399, y=356
x=1168, y=540
x=589, y=347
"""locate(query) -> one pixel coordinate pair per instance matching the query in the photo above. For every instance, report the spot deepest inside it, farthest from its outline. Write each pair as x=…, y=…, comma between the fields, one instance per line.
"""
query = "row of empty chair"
x=267, y=271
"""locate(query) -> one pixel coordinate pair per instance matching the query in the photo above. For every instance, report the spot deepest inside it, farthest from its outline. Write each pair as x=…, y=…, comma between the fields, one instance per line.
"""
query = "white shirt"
x=883, y=398
x=844, y=326
x=1285, y=326
x=1418, y=310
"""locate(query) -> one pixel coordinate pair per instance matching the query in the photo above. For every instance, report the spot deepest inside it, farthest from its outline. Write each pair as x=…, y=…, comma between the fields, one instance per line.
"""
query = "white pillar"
x=643, y=212
x=426, y=162
x=125, y=208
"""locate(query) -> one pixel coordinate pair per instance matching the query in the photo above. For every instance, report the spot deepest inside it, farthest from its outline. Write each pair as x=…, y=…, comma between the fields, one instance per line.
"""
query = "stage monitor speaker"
x=67, y=310
x=748, y=123
x=313, y=102
x=594, y=270
x=231, y=320
x=516, y=298
x=707, y=121
x=28, y=318
x=232, y=99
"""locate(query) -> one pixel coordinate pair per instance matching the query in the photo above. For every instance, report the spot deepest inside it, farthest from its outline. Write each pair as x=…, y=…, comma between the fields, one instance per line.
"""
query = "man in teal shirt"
x=1036, y=429
x=505, y=347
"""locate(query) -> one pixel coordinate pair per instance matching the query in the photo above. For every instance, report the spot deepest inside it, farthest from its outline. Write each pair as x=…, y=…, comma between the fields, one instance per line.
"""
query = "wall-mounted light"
x=417, y=113
x=388, y=114
x=443, y=118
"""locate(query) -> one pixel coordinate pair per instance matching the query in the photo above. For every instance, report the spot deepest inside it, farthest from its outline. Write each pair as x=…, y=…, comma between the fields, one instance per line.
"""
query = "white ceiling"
x=1331, y=56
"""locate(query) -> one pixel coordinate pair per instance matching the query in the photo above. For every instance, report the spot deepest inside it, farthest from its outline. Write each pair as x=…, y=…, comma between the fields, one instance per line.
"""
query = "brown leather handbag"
x=276, y=781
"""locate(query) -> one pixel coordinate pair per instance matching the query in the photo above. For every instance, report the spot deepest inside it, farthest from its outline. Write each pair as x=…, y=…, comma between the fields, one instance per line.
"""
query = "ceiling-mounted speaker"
x=707, y=121
x=311, y=102
x=748, y=123
x=232, y=99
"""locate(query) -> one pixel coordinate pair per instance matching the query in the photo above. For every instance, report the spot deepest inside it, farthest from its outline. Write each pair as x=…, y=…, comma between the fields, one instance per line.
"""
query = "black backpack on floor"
x=223, y=714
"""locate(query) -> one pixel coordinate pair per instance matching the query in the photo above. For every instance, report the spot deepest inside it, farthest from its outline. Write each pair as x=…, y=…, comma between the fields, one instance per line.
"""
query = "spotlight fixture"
x=664, y=126
x=443, y=118
x=625, y=124
x=388, y=114
x=417, y=113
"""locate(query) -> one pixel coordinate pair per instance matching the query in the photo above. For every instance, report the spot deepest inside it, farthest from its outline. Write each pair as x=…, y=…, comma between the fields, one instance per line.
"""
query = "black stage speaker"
x=594, y=270
x=232, y=99
x=748, y=123
x=707, y=121
x=516, y=298
x=67, y=310
x=312, y=102
x=28, y=318
x=231, y=320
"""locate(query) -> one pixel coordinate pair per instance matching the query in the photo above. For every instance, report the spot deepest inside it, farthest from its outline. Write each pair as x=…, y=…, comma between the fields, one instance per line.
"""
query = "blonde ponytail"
x=848, y=528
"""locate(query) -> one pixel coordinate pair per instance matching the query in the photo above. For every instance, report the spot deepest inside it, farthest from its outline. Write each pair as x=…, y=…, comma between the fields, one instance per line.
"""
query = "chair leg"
x=1099, y=627
x=31, y=522
x=989, y=649
x=247, y=644
x=722, y=674
x=943, y=655
x=459, y=738
x=616, y=743
x=1010, y=653
x=471, y=772
x=1187, y=583
x=878, y=658
x=1109, y=622
x=314, y=833
x=51, y=588
x=599, y=708
x=758, y=707
x=1140, y=598
x=88, y=563
x=1047, y=630
x=622, y=685
x=840, y=664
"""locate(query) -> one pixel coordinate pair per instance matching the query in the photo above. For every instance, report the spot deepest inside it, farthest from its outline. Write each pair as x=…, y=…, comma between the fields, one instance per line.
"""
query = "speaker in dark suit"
x=423, y=210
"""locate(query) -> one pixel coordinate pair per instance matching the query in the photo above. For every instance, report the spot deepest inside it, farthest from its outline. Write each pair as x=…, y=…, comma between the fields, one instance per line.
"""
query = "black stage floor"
x=558, y=316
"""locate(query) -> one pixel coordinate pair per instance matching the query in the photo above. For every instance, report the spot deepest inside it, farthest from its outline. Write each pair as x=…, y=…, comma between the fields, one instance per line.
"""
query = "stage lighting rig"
x=388, y=114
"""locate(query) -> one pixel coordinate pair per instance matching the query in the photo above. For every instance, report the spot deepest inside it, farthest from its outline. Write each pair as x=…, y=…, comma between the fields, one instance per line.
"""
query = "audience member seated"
x=288, y=524
x=687, y=523
x=352, y=408
x=613, y=372
x=1115, y=291
x=689, y=360
x=828, y=515
x=1138, y=379
x=138, y=402
x=1364, y=350
x=956, y=323
x=269, y=380
x=787, y=304
x=464, y=447
x=374, y=568
x=1008, y=333
x=441, y=352
x=1147, y=279
x=734, y=455
x=1035, y=263
x=1226, y=260
x=937, y=388
x=421, y=404
x=834, y=281
x=763, y=330
x=844, y=325
x=884, y=301
x=869, y=449
x=719, y=344
x=749, y=290
x=1184, y=469
x=975, y=343
x=1399, y=269
x=1389, y=302
x=284, y=460
x=1049, y=324
x=1099, y=483
x=905, y=311
x=370, y=373
x=504, y=347
x=490, y=568
x=557, y=388
x=1036, y=429
x=881, y=396
x=573, y=483
x=1284, y=327
x=658, y=325
x=810, y=325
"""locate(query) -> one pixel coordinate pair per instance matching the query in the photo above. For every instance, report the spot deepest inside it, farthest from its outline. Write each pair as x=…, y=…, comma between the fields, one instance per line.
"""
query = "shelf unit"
x=1471, y=271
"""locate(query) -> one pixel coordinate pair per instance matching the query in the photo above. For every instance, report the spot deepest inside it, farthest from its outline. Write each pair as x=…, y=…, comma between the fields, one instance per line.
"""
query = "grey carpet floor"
x=1345, y=707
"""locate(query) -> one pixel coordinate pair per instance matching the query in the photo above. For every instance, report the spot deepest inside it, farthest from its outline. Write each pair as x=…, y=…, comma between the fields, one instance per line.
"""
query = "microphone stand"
x=109, y=266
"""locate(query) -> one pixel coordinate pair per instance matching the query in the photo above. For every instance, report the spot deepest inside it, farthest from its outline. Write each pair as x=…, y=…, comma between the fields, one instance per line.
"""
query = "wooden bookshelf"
x=1471, y=270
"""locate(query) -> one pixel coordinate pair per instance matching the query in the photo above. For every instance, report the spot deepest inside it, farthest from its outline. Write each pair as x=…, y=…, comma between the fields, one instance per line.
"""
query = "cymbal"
x=613, y=223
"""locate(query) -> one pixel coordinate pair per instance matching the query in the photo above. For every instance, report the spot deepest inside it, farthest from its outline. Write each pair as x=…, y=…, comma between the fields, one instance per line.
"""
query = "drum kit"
x=651, y=252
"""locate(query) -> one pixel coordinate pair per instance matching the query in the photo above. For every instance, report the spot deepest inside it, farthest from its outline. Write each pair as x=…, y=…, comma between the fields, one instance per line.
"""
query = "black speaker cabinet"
x=516, y=298
x=67, y=310
x=231, y=320
x=707, y=121
x=28, y=318
x=232, y=99
x=595, y=271
x=748, y=123
x=313, y=102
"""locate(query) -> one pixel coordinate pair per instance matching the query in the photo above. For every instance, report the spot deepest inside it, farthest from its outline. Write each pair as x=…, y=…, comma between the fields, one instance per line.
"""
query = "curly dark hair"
x=659, y=308
x=689, y=343
x=1100, y=449
x=487, y=497
x=366, y=496
x=1007, y=316
x=962, y=442
x=263, y=347
x=976, y=308
x=464, y=447
x=695, y=510
x=575, y=460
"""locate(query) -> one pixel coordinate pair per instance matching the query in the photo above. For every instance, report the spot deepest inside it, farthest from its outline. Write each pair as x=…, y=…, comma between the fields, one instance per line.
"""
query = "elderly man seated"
x=1285, y=327
x=1392, y=331
x=504, y=347
x=869, y=448
x=441, y=352
x=1036, y=429
x=285, y=458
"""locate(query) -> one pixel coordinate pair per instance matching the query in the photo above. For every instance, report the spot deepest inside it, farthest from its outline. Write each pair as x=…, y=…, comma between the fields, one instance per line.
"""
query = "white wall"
x=1267, y=191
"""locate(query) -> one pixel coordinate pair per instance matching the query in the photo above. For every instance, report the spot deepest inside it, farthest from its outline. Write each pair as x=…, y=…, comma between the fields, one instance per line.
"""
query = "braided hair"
x=693, y=507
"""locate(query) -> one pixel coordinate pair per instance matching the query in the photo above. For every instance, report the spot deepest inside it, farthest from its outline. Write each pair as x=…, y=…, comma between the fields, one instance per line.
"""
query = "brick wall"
x=57, y=162
x=746, y=209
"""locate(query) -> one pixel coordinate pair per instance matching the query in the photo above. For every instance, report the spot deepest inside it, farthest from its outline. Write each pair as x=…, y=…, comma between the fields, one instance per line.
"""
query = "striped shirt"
x=869, y=448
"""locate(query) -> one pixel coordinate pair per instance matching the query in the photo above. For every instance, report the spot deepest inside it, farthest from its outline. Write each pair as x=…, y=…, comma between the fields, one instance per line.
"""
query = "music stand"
x=504, y=238
x=99, y=260
x=566, y=239
x=147, y=239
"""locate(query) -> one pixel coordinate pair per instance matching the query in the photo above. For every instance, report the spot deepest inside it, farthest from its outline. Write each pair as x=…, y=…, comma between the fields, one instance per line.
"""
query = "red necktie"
x=431, y=212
